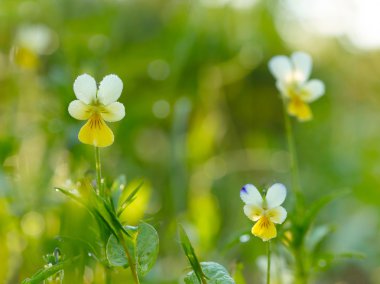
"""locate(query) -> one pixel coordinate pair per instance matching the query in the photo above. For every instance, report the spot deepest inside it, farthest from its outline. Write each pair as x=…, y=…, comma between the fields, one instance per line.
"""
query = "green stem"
x=301, y=275
x=108, y=272
x=204, y=281
x=292, y=151
x=98, y=167
x=131, y=261
x=268, y=261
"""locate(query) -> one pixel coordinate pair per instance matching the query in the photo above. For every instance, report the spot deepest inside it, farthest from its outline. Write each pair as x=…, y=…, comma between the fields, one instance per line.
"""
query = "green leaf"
x=129, y=199
x=215, y=273
x=327, y=259
x=117, y=189
x=44, y=273
x=317, y=206
x=145, y=249
x=316, y=237
x=99, y=208
x=115, y=253
x=190, y=253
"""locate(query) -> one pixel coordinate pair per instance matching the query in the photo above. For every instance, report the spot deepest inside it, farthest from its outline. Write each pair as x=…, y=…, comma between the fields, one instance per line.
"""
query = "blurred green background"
x=203, y=118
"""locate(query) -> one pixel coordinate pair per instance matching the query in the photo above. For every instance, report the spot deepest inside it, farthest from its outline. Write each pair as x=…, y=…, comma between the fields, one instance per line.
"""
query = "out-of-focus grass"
x=203, y=118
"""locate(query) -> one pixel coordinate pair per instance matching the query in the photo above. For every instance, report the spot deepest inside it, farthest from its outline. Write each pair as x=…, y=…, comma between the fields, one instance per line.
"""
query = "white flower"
x=265, y=211
x=292, y=80
x=97, y=105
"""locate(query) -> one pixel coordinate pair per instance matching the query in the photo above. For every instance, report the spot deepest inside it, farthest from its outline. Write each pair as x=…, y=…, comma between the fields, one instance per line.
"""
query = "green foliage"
x=203, y=272
x=144, y=248
x=238, y=274
x=211, y=124
x=124, y=202
x=214, y=272
x=98, y=207
x=190, y=254
x=52, y=270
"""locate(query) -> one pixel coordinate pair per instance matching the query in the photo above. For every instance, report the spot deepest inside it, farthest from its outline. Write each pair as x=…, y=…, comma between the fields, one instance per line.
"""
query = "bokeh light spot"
x=33, y=224
x=161, y=108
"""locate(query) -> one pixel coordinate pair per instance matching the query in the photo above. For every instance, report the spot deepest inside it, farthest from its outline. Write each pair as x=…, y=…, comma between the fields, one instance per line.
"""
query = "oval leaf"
x=215, y=273
x=115, y=253
x=147, y=248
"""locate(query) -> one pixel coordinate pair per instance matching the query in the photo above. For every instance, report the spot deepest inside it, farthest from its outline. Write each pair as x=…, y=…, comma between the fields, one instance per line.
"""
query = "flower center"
x=95, y=121
x=264, y=229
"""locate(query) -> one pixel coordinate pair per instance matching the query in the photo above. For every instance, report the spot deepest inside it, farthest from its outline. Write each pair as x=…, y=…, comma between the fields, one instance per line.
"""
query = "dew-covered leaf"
x=214, y=272
x=144, y=249
x=147, y=248
x=44, y=273
x=190, y=253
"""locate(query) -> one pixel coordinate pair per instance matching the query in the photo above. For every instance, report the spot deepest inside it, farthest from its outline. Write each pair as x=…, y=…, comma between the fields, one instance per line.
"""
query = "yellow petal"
x=264, y=229
x=26, y=58
x=299, y=109
x=96, y=132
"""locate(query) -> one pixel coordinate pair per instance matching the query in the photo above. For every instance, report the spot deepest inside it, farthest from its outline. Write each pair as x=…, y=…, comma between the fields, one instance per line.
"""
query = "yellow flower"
x=97, y=106
x=292, y=74
x=264, y=211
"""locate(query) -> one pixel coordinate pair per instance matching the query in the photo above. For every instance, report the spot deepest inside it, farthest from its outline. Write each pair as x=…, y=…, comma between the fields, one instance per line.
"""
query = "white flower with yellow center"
x=97, y=106
x=264, y=211
x=292, y=80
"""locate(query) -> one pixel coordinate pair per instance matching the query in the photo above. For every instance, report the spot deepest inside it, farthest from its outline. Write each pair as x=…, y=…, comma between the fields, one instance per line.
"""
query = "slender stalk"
x=268, y=261
x=301, y=273
x=203, y=279
x=98, y=167
x=293, y=154
x=108, y=273
x=131, y=261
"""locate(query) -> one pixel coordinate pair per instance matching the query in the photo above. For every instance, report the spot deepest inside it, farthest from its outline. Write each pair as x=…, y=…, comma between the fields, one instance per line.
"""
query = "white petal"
x=85, y=88
x=79, y=110
x=113, y=112
x=302, y=64
x=277, y=214
x=250, y=195
x=253, y=212
x=312, y=90
x=110, y=89
x=282, y=87
x=275, y=195
x=280, y=67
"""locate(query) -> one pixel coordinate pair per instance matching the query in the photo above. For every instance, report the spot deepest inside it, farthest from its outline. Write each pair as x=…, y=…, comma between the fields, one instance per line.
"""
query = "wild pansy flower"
x=265, y=211
x=97, y=106
x=292, y=80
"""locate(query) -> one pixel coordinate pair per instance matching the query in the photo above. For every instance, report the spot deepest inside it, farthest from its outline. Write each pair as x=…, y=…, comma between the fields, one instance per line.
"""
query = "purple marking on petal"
x=244, y=190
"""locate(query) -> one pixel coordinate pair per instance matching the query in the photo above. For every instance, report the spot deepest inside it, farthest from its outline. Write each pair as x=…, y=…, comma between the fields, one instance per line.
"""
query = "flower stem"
x=295, y=178
x=268, y=261
x=301, y=272
x=131, y=261
x=293, y=154
x=108, y=277
x=98, y=167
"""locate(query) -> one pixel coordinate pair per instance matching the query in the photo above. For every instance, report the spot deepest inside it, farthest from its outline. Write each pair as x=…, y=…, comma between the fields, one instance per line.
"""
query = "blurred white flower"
x=32, y=41
x=264, y=211
x=97, y=106
x=292, y=80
